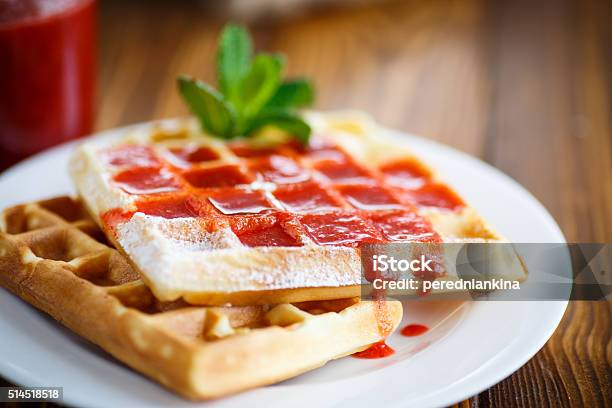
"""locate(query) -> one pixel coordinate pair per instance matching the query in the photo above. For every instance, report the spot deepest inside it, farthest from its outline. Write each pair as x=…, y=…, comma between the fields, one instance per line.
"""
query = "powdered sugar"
x=178, y=255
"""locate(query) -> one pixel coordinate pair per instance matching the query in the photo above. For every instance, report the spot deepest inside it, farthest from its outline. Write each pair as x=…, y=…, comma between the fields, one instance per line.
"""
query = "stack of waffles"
x=213, y=266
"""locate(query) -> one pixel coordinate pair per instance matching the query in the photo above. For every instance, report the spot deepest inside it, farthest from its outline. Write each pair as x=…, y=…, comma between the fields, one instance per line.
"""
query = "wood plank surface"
x=525, y=86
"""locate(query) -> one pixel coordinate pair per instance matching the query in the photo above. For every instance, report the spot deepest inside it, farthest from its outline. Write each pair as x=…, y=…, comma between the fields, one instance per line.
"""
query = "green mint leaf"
x=260, y=84
x=295, y=93
x=215, y=114
x=284, y=120
x=233, y=60
x=251, y=92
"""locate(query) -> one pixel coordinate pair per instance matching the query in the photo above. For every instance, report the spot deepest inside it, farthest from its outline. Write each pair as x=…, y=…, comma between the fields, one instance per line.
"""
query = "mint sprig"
x=252, y=93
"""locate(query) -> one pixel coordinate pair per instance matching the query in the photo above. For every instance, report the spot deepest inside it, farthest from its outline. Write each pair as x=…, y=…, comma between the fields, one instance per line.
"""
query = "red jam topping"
x=280, y=170
x=237, y=201
x=343, y=170
x=222, y=176
x=368, y=197
x=404, y=226
x=271, y=236
x=317, y=143
x=146, y=180
x=435, y=195
x=114, y=217
x=131, y=155
x=321, y=148
x=406, y=173
x=252, y=222
x=339, y=228
x=324, y=212
x=265, y=230
x=167, y=207
x=305, y=197
x=376, y=350
x=195, y=154
x=326, y=153
x=414, y=330
x=243, y=150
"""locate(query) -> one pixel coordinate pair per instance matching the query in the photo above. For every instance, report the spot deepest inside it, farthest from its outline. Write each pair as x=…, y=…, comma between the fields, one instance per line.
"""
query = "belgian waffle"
x=55, y=257
x=216, y=222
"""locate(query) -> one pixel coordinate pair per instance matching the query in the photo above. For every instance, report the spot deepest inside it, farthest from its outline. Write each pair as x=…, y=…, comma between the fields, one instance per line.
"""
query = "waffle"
x=56, y=258
x=217, y=222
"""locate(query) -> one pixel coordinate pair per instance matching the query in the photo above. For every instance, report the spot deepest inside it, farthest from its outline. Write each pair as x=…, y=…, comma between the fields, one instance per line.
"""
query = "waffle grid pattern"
x=283, y=196
x=55, y=257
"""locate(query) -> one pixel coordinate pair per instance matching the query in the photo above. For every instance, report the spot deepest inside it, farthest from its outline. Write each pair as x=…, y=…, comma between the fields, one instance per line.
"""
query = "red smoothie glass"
x=47, y=74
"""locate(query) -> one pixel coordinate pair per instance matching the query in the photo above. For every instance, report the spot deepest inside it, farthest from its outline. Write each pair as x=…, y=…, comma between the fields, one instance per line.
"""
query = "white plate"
x=469, y=347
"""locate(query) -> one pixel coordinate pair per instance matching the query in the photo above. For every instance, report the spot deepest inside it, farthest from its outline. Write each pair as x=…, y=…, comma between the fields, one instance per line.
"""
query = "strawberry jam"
x=343, y=170
x=146, y=180
x=236, y=201
x=274, y=236
x=339, y=228
x=222, y=176
x=406, y=173
x=247, y=151
x=368, y=197
x=279, y=170
x=306, y=197
x=376, y=350
x=132, y=156
x=263, y=230
x=404, y=226
x=321, y=148
x=167, y=207
x=114, y=217
x=412, y=330
x=195, y=154
x=327, y=195
x=434, y=195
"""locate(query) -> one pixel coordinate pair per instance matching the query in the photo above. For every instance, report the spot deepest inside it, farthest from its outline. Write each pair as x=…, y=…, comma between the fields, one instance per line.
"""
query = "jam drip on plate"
x=414, y=329
x=376, y=350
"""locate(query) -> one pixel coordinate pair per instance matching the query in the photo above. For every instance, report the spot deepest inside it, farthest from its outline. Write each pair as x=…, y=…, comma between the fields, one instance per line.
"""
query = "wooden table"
x=525, y=86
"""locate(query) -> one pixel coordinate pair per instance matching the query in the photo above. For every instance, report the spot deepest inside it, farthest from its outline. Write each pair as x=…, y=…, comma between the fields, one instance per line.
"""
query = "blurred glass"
x=47, y=69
